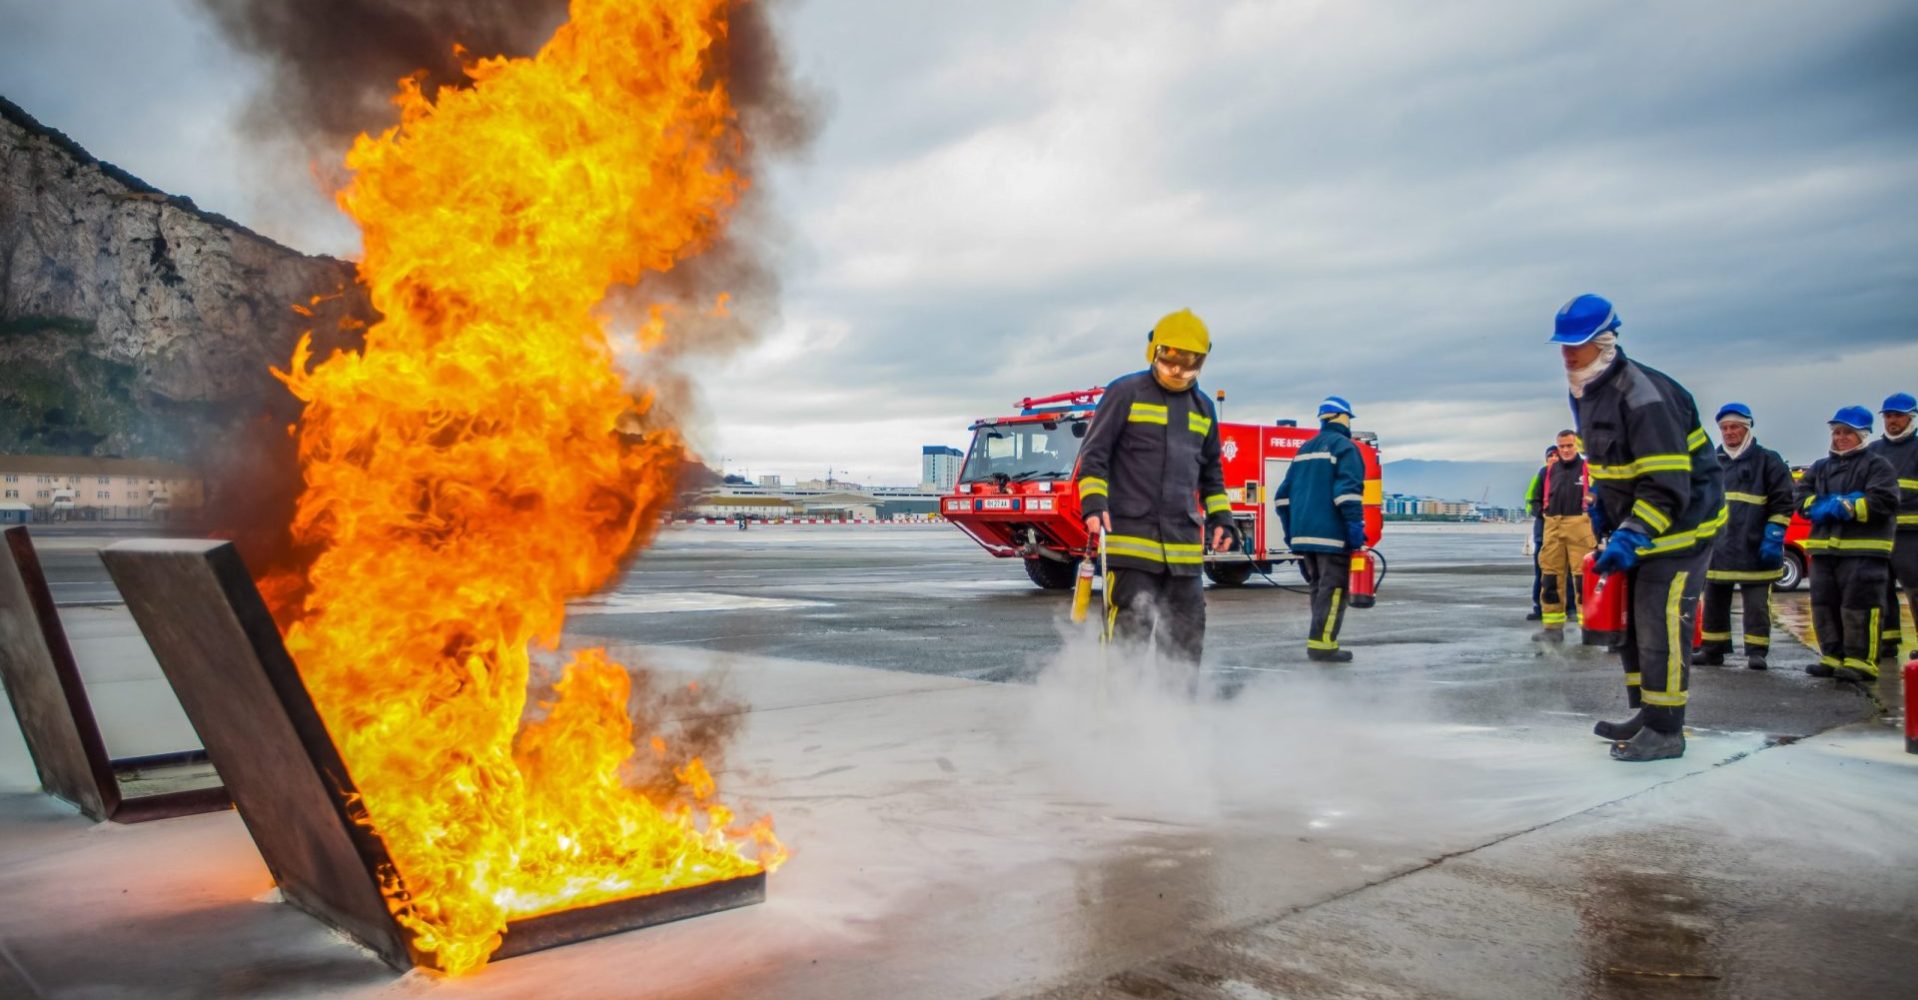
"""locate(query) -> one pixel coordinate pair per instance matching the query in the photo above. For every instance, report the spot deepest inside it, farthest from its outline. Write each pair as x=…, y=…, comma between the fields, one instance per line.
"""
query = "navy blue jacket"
x=1323, y=490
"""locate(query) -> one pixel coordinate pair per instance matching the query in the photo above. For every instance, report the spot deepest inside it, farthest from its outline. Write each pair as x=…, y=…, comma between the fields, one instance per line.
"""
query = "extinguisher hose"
x=1383, y=568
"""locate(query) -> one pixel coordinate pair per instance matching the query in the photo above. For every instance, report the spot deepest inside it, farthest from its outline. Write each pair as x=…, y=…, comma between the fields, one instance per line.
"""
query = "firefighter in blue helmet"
x=1899, y=446
x=1151, y=482
x=1851, y=499
x=1750, y=552
x=1661, y=495
x=1321, y=506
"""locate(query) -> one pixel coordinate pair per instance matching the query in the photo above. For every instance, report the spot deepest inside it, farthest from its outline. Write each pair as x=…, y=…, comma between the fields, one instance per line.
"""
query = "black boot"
x=1329, y=655
x=1820, y=670
x=1549, y=635
x=1756, y=661
x=1616, y=731
x=1854, y=675
x=1650, y=744
x=1534, y=616
x=1708, y=658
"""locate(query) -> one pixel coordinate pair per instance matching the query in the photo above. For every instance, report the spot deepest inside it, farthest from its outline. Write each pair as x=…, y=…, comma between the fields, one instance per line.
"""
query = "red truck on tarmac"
x=1018, y=496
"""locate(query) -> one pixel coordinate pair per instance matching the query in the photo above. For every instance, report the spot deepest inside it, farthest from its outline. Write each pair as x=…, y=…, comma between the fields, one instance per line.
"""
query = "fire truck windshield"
x=1021, y=452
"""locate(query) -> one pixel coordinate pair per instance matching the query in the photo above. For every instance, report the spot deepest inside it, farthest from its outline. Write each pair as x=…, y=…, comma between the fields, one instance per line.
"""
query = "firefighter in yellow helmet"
x=1150, y=480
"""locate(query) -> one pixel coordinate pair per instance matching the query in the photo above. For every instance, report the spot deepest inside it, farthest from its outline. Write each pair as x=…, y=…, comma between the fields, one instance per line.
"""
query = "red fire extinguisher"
x=1911, y=705
x=1604, y=602
x=1362, y=588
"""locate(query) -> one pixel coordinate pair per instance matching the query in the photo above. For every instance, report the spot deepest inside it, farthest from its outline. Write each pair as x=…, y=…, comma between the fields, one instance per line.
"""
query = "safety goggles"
x=1173, y=357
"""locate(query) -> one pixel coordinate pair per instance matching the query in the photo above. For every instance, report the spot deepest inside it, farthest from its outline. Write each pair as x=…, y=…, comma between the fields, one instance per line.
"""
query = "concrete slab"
x=959, y=839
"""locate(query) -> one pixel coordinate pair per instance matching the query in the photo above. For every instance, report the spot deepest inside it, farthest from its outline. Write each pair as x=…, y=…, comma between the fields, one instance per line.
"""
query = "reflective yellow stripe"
x=1849, y=544
x=1677, y=652
x=1198, y=424
x=1648, y=464
x=1112, y=606
x=1744, y=497
x=1552, y=618
x=1697, y=439
x=1092, y=486
x=1808, y=502
x=1757, y=640
x=1332, y=619
x=1318, y=644
x=1779, y=519
x=1134, y=547
x=1907, y=519
x=1219, y=503
x=1743, y=575
x=1716, y=636
x=1634, y=679
x=1652, y=516
x=1876, y=632
x=1908, y=484
x=1859, y=511
x=1177, y=553
x=1146, y=413
x=1374, y=492
x=1685, y=539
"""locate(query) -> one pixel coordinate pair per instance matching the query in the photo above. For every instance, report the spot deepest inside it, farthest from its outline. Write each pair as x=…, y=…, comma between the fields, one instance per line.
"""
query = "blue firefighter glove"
x=1825, y=510
x=1771, y=551
x=1355, y=535
x=1621, y=551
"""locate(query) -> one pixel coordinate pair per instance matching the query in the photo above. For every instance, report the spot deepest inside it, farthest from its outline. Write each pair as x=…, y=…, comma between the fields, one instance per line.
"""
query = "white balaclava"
x=1750, y=439
x=1608, y=352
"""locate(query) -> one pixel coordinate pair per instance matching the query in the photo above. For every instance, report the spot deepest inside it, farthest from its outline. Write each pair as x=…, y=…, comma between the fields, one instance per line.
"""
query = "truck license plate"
x=996, y=503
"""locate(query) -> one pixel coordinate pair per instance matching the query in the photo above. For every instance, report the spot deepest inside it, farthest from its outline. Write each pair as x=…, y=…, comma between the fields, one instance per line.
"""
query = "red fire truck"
x=1017, y=494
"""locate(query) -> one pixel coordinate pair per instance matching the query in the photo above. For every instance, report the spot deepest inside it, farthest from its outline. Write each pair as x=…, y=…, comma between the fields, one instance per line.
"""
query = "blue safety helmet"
x=1333, y=406
x=1856, y=417
x=1900, y=402
x=1583, y=318
x=1736, y=409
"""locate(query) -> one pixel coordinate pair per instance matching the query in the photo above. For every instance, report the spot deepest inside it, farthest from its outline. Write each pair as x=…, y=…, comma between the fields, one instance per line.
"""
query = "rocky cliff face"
x=134, y=324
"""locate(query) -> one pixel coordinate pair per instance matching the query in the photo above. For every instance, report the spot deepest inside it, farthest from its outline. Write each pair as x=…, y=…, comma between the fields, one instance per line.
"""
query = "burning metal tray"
x=219, y=647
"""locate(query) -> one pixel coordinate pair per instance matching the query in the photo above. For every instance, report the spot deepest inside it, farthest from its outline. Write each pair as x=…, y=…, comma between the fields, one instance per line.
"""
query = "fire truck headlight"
x=1045, y=487
x=960, y=505
x=965, y=487
x=1039, y=503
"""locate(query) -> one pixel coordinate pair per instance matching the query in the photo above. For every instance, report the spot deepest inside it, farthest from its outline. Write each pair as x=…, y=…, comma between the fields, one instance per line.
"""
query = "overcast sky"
x=1383, y=200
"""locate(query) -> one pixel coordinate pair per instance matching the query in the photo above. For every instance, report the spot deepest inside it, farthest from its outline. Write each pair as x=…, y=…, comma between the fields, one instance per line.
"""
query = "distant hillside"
x=1460, y=480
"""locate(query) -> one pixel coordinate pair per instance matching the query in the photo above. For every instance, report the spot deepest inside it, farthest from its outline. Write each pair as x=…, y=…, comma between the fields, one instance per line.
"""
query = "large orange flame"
x=464, y=476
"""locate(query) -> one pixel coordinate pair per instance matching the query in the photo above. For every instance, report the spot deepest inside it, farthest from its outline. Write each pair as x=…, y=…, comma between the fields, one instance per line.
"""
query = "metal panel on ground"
x=56, y=718
x=222, y=652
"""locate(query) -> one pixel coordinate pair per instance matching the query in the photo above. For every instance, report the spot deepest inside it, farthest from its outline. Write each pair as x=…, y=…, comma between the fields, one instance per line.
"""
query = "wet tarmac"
x=982, y=802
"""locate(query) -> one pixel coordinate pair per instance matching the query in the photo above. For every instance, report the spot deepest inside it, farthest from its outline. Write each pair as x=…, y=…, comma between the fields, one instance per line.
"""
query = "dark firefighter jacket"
x=1653, y=468
x=1903, y=456
x=1758, y=491
x=1566, y=484
x=1323, y=489
x=1151, y=458
x=1860, y=472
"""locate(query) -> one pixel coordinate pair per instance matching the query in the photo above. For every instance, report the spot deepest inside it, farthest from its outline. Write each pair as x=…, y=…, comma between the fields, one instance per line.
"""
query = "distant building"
x=70, y=487
x=771, y=482
x=939, y=467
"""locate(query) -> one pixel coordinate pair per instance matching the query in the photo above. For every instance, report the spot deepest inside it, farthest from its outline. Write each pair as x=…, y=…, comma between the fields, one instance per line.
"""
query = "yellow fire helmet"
x=1184, y=335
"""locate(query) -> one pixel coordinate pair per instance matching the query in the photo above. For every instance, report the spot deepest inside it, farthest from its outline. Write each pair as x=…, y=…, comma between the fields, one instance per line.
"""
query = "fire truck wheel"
x=1794, y=574
x=1232, y=574
x=1052, y=574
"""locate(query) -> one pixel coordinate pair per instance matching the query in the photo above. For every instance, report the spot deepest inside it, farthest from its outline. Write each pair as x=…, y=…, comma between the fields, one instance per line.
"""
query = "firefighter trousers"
x=1718, y=615
x=1904, y=573
x=1561, y=557
x=1847, y=609
x=1329, y=574
x=1538, y=575
x=1658, y=636
x=1160, y=611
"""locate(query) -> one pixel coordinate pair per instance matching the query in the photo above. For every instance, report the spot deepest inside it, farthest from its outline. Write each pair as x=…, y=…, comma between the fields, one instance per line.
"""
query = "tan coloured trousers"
x=1567, y=539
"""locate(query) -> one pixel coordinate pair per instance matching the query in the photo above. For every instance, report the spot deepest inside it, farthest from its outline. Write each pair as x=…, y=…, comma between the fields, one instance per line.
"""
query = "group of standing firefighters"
x=1636, y=480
